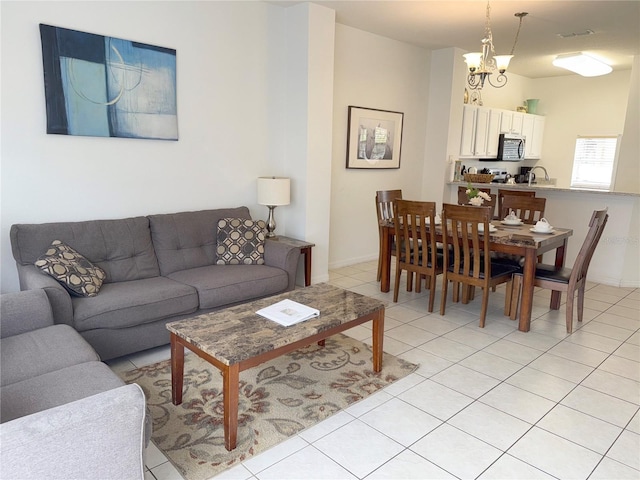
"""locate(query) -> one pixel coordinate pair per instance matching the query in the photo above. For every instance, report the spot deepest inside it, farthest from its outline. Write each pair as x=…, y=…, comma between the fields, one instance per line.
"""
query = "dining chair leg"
x=418, y=283
x=443, y=296
x=507, y=298
x=466, y=289
x=580, y=302
x=432, y=291
x=409, y=281
x=379, y=275
x=485, y=304
x=515, y=297
x=569, y=307
x=396, y=286
x=455, y=295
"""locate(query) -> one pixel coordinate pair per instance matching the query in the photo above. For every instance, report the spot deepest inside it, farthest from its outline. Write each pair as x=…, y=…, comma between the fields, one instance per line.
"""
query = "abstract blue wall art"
x=107, y=87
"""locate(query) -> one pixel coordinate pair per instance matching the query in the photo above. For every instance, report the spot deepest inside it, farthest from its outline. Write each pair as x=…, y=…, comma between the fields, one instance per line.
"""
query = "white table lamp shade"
x=274, y=191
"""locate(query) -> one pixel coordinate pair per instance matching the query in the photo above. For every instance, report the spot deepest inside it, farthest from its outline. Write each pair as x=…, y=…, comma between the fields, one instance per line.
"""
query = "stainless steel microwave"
x=510, y=148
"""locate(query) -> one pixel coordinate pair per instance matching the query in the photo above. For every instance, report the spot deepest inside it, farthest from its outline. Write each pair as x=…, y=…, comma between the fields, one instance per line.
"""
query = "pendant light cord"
x=520, y=15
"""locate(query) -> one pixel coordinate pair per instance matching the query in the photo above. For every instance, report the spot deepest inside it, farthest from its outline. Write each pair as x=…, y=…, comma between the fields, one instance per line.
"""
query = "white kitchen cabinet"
x=480, y=131
x=468, y=140
x=511, y=122
x=533, y=146
x=527, y=133
x=493, y=134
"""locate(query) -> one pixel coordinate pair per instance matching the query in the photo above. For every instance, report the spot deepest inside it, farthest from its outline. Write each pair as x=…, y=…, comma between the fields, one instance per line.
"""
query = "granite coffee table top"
x=237, y=333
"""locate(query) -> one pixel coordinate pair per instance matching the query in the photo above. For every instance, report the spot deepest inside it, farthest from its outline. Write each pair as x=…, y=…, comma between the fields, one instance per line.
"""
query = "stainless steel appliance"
x=499, y=175
x=523, y=177
x=510, y=148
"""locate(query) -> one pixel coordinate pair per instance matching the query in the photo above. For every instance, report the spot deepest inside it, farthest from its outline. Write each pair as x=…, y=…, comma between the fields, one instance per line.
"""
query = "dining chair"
x=528, y=209
x=562, y=279
x=464, y=200
x=416, y=249
x=384, y=210
x=502, y=192
x=468, y=255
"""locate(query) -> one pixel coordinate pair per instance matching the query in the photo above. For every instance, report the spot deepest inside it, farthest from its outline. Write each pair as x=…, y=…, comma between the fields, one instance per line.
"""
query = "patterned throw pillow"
x=240, y=242
x=72, y=270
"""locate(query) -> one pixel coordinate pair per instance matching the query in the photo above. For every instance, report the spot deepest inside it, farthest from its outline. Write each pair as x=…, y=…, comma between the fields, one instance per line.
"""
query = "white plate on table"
x=491, y=228
x=512, y=224
x=540, y=231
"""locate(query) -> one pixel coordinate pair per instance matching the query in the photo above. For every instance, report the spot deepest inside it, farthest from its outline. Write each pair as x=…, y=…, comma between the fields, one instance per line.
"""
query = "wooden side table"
x=305, y=249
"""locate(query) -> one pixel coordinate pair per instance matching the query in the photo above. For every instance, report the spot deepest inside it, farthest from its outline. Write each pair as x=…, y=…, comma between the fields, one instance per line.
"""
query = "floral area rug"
x=277, y=399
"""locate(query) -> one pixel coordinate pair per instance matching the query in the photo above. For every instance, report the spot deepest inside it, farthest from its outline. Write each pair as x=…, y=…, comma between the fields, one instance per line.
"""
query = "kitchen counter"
x=616, y=260
x=543, y=187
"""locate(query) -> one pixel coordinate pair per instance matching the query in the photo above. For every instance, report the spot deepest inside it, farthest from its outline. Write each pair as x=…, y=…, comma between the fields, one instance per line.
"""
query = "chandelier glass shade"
x=482, y=65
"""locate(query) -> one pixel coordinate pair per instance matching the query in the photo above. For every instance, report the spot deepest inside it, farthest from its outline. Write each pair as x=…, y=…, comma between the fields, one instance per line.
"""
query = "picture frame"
x=374, y=138
x=101, y=86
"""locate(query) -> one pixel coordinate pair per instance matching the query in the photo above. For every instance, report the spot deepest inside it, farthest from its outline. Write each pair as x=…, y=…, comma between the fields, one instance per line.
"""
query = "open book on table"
x=287, y=312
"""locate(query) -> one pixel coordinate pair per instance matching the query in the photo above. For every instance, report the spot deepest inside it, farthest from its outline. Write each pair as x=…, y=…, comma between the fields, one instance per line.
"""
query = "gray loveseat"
x=159, y=268
x=63, y=413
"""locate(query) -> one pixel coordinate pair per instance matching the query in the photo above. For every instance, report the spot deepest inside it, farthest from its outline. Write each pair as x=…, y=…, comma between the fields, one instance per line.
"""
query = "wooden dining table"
x=516, y=240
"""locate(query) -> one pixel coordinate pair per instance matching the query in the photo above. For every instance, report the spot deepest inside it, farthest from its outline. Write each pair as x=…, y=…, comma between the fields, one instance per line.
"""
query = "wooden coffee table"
x=236, y=338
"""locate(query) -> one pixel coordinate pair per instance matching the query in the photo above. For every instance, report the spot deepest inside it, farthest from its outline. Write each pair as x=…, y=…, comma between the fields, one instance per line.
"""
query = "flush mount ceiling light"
x=483, y=64
x=582, y=64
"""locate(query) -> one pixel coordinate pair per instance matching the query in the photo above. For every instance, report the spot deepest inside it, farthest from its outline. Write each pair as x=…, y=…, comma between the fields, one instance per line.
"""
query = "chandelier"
x=484, y=64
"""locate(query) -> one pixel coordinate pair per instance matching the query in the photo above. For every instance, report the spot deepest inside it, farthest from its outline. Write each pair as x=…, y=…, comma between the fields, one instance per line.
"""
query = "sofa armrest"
x=60, y=300
x=283, y=256
x=101, y=436
x=22, y=312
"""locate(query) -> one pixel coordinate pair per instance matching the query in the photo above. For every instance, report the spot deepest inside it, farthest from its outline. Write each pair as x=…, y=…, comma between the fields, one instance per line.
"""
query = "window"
x=594, y=162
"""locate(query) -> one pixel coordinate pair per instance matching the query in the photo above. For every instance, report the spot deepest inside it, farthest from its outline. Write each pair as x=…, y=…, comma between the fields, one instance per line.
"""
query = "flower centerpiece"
x=476, y=197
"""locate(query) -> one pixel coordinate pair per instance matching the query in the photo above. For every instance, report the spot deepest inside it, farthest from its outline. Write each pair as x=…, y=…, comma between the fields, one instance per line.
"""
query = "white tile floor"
x=485, y=403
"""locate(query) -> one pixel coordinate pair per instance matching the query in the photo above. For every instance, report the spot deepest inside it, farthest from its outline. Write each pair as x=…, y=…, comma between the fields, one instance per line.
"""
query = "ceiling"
x=435, y=24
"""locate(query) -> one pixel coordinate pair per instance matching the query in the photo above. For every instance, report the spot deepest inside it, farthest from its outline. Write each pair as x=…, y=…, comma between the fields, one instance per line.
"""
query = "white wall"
x=375, y=72
x=575, y=105
x=310, y=47
x=229, y=115
x=628, y=173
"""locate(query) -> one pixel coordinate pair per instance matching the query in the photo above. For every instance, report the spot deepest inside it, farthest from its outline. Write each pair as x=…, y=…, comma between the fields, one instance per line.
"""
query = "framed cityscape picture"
x=374, y=138
x=108, y=87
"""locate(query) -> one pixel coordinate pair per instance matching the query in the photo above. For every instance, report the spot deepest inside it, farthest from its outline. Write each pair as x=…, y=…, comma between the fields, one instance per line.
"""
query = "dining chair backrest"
x=463, y=199
x=513, y=193
x=527, y=209
x=384, y=203
x=415, y=230
x=462, y=222
x=416, y=248
x=581, y=265
x=384, y=211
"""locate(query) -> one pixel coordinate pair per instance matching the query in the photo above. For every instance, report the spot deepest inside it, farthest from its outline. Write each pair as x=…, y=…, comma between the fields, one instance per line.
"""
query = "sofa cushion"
x=56, y=388
x=122, y=248
x=219, y=285
x=125, y=304
x=41, y=351
x=188, y=239
x=240, y=242
x=74, y=272
x=97, y=437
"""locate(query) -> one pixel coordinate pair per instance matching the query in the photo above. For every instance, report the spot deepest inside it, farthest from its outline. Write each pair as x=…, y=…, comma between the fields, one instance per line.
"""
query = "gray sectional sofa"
x=159, y=268
x=63, y=413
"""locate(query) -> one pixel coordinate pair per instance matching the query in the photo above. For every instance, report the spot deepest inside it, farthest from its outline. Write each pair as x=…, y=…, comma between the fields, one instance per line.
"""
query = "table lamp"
x=273, y=191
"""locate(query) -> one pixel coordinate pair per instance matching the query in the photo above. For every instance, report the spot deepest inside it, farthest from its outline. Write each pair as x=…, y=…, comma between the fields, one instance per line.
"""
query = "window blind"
x=594, y=162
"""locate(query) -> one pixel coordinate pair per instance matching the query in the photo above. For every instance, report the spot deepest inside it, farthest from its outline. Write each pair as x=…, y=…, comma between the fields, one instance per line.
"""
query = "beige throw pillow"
x=77, y=274
x=240, y=242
